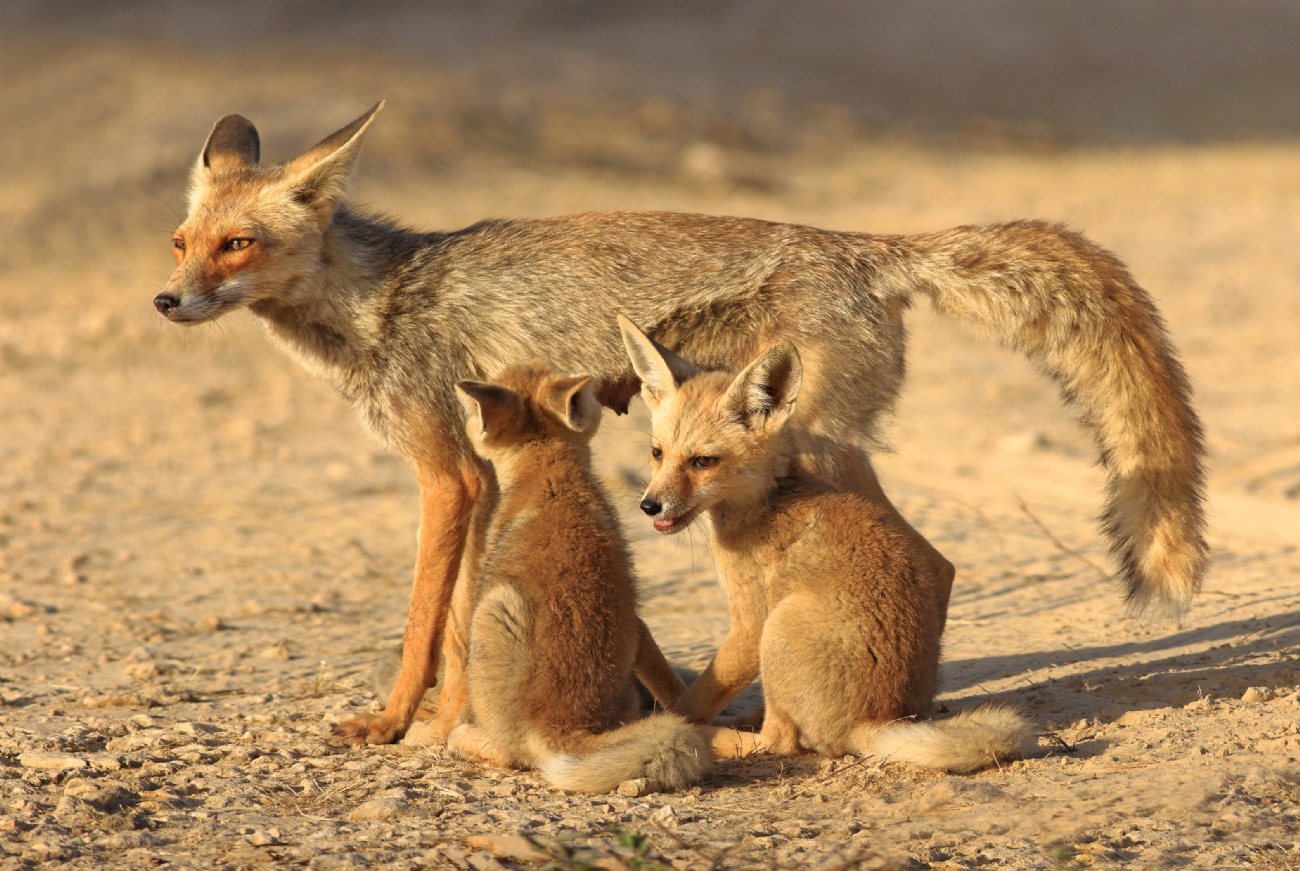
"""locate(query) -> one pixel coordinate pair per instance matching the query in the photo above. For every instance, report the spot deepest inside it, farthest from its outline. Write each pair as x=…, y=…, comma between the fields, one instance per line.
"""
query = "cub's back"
x=562, y=549
x=845, y=546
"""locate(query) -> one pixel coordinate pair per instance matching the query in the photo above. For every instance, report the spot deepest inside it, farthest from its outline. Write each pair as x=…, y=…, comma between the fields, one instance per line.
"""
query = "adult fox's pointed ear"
x=660, y=370
x=763, y=395
x=496, y=405
x=232, y=144
x=320, y=177
x=573, y=401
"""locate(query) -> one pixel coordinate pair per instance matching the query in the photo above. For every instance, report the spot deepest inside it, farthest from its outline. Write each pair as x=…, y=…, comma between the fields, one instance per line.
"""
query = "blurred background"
x=707, y=88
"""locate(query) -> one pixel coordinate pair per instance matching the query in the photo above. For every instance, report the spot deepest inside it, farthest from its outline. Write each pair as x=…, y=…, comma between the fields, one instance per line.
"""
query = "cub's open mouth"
x=669, y=525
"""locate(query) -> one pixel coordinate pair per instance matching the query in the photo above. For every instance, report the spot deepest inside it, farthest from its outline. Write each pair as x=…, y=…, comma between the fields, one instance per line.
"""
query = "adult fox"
x=395, y=318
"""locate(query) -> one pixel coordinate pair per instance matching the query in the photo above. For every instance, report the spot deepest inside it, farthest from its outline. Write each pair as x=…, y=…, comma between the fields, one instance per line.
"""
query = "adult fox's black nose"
x=650, y=506
x=165, y=302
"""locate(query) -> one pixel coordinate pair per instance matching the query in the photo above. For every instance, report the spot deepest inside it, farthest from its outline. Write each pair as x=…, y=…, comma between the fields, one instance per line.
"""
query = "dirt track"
x=201, y=554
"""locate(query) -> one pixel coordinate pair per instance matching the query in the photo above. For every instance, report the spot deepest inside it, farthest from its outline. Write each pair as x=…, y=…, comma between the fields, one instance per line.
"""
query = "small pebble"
x=279, y=650
x=635, y=788
x=50, y=761
x=378, y=809
x=665, y=817
x=210, y=623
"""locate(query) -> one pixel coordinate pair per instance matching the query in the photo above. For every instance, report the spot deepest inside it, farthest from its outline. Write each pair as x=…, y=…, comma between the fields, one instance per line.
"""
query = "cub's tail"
x=663, y=748
x=967, y=742
x=1075, y=312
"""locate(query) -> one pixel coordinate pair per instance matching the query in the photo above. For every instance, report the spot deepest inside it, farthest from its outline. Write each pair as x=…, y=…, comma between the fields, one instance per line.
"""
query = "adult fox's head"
x=716, y=440
x=254, y=232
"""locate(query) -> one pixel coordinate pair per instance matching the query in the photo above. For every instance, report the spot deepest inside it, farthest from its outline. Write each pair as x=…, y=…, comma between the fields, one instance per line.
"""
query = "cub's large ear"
x=496, y=405
x=320, y=177
x=764, y=394
x=232, y=144
x=660, y=370
x=573, y=401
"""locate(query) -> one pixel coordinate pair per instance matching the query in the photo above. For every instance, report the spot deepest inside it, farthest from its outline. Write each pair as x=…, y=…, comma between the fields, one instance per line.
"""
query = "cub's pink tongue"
x=665, y=523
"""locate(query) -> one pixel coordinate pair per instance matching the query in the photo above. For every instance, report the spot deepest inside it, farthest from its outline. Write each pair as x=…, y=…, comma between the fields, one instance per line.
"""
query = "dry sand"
x=201, y=554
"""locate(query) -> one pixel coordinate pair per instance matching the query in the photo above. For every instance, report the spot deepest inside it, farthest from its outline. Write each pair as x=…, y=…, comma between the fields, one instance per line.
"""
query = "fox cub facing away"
x=827, y=590
x=555, y=637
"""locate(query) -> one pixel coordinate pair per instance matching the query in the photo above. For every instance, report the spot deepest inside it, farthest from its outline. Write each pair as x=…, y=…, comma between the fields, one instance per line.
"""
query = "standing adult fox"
x=395, y=318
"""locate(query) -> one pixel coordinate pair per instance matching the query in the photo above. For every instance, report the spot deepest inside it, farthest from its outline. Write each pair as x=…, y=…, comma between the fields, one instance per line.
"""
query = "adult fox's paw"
x=368, y=729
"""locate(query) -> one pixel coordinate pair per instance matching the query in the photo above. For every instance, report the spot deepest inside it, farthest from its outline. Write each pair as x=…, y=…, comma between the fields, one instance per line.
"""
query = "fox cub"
x=555, y=637
x=830, y=597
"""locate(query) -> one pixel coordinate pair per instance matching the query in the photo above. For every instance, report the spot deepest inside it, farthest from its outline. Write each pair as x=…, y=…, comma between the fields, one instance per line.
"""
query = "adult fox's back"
x=1070, y=306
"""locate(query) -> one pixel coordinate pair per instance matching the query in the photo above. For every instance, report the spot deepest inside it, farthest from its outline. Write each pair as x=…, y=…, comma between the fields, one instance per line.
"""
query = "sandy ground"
x=202, y=556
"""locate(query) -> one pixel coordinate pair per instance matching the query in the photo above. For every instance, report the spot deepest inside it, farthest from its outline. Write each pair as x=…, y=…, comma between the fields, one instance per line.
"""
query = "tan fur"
x=556, y=638
x=828, y=593
x=394, y=318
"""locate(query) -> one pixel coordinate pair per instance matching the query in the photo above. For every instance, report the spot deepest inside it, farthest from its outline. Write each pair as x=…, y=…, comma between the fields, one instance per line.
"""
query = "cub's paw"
x=435, y=727
x=426, y=731
x=464, y=741
x=472, y=743
x=368, y=729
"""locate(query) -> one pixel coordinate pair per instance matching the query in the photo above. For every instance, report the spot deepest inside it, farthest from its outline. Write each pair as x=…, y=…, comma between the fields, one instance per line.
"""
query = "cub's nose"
x=650, y=506
x=165, y=302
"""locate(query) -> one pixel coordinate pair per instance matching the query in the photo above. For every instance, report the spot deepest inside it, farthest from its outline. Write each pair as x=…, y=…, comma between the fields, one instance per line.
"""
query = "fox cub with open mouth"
x=555, y=637
x=829, y=596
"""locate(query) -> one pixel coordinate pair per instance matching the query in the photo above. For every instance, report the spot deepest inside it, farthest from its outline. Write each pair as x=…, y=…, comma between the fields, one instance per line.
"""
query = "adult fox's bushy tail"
x=967, y=742
x=662, y=748
x=1073, y=309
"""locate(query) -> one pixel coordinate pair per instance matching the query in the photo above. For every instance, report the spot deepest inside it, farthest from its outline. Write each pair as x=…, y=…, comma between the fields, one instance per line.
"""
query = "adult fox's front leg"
x=454, y=690
x=446, y=505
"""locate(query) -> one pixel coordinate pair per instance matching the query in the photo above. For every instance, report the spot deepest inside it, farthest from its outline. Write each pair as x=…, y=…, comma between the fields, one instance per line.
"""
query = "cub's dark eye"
x=704, y=462
x=238, y=244
x=656, y=453
x=178, y=243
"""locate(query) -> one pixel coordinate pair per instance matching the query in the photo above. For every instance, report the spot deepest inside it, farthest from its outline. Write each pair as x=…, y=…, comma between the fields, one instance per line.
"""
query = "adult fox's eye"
x=704, y=462
x=178, y=244
x=238, y=244
x=657, y=453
